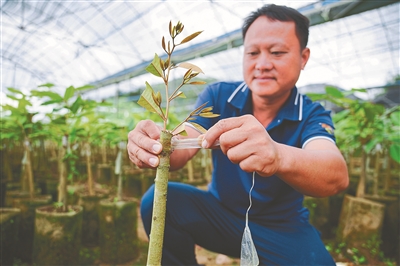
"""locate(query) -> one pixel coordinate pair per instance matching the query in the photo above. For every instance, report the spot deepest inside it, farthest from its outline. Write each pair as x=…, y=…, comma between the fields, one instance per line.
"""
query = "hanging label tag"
x=248, y=252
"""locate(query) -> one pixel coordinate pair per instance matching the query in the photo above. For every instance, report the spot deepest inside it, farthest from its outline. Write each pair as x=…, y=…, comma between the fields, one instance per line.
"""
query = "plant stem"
x=62, y=187
x=160, y=202
x=28, y=165
x=119, y=167
x=361, y=183
x=89, y=170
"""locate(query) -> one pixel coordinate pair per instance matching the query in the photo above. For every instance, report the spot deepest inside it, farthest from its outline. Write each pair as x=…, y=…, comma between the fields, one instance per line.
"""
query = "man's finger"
x=221, y=127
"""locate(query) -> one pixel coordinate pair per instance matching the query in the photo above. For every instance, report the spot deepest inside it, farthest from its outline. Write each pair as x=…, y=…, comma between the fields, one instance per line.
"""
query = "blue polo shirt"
x=299, y=121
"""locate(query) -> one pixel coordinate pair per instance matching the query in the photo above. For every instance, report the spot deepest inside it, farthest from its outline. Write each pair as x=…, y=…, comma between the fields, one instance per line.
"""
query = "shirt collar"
x=291, y=110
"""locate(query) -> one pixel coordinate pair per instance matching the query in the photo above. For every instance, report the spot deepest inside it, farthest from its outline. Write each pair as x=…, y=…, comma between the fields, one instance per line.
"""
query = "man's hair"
x=281, y=13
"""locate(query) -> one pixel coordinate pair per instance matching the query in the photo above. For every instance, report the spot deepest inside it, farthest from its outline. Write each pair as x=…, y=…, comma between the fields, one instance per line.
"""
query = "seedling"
x=152, y=101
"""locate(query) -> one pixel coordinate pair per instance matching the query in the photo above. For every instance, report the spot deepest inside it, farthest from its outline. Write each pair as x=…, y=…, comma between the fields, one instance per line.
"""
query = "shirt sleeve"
x=318, y=124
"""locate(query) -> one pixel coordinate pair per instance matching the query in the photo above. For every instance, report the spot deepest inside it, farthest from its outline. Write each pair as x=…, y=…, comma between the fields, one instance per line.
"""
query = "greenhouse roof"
x=108, y=43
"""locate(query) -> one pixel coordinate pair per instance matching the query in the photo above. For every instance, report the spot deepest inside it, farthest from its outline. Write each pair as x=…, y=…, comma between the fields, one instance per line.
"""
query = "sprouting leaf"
x=155, y=67
x=157, y=98
x=192, y=75
x=146, y=100
x=187, y=74
x=198, y=127
x=190, y=37
x=163, y=43
x=198, y=82
x=198, y=109
x=69, y=92
x=208, y=115
x=178, y=27
x=179, y=129
x=188, y=65
x=206, y=109
x=180, y=94
x=170, y=28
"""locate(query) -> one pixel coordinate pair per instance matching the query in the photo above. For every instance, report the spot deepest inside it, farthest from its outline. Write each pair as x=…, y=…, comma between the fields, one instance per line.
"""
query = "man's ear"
x=305, y=55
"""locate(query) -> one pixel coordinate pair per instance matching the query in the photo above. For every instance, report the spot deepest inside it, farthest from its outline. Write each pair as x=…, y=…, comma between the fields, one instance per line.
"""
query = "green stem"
x=29, y=169
x=361, y=182
x=160, y=202
x=62, y=186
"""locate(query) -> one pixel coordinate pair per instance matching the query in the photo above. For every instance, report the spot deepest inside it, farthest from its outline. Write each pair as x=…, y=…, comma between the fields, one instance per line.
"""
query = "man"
x=265, y=127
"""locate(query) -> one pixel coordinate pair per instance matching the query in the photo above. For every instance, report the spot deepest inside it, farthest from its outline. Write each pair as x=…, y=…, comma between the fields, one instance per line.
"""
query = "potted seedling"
x=153, y=102
x=361, y=126
x=58, y=227
x=118, y=213
x=92, y=130
x=20, y=122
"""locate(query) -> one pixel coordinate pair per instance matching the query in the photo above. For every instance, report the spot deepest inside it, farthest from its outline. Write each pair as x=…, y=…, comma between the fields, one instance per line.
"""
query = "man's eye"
x=277, y=52
x=252, y=53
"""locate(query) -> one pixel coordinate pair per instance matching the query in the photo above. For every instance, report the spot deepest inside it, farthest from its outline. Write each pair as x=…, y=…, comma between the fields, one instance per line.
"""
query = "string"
x=248, y=209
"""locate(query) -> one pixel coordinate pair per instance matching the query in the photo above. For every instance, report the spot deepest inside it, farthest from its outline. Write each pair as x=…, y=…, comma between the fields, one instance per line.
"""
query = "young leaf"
x=395, y=152
x=157, y=98
x=334, y=92
x=75, y=106
x=199, y=82
x=188, y=65
x=179, y=130
x=198, y=109
x=48, y=85
x=52, y=95
x=191, y=37
x=208, y=115
x=180, y=94
x=14, y=91
x=146, y=100
x=207, y=109
x=69, y=92
x=155, y=67
x=163, y=43
x=85, y=87
x=51, y=102
x=198, y=127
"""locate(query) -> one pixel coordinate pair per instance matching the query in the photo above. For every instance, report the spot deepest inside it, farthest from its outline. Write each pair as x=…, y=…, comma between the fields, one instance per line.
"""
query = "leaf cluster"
x=363, y=124
x=162, y=68
x=17, y=123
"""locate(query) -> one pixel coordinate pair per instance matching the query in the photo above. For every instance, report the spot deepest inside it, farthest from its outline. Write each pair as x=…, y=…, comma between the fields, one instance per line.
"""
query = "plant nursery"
x=78, y=76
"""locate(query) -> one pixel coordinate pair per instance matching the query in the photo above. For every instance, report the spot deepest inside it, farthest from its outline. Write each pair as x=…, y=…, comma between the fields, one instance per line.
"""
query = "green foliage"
x=368, y=253
x=152, y=101
x=363, y=124
x=17, y=123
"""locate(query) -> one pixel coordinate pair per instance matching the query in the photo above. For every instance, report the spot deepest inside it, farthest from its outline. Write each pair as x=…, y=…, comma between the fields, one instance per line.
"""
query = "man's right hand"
x=143, y=147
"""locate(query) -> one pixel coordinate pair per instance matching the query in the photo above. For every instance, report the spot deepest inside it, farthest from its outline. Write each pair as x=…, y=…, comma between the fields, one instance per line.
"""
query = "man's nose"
x=264, y=62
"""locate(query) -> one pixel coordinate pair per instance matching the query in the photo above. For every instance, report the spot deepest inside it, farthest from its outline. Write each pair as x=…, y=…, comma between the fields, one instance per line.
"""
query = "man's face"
x=272, y=58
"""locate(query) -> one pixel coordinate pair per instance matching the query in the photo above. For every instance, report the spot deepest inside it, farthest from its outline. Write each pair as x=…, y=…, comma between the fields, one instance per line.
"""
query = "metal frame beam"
x=318, y=13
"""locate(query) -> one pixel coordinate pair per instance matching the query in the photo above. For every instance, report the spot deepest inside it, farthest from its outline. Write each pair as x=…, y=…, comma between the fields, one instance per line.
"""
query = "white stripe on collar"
x=299, y=96
x=301, y=109
x=242, y=87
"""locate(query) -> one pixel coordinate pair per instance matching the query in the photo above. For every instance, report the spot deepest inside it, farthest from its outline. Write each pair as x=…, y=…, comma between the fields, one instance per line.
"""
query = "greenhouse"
x=82, y=79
